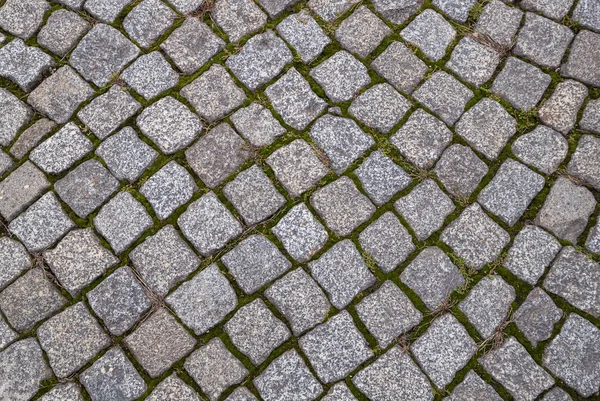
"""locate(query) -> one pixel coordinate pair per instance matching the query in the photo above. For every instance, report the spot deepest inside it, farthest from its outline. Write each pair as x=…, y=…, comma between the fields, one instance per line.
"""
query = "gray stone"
x=570, y=354
x=399, y=66
x=61, y=392
x=107, y=112
x=362, y=32
x=148, y=21
x=126, y=155
x=592, y=243
x=301, y=234
x=105, y=10
x=488, y=304
x=163, y=260
x=431, y=33
x=256, y=332
x=335, y=348
x=432, y=276
x=186, y=6
x=191, y=45
x=158, y=342
x=23, y=18
x=473, y=61
x=557, y=394
x=71, y=339
x=122, y=221
x=241, y=394
x=42, y=224
x=532, y=251
x=287, y=379
x=397, y=12
x=31, y=137
x=566, y=210
x=214, y=368
x=253, y=195
x=86, y=187
x=214, y=93
x=208, y=224
x=60, y=94
x=59, y=152
x=339, y=392
x=150, y=75
x=331, y=10
x=342, y=206
x=204, y=301
x=387, y=242
x=543, y=41
x=23, y=369
x=425, y=208
x=30, y=299
x=500, y=22
x=536, y=316
x=254, y=262
x=217, y=155
x=342, y=273
x=584, y=59
x=74, y=4
x=62, y=31
x=458, y=10
x=473, y=388
x=297, y=167
x=445, y=96
x=6, y=163
x=102, y=53
x=587, y=14
x=460, y=170
x=113, y=377
x=173, y=389
x=555, y=9
x=561, y=109
x=14, y=260
x=119, y=300
x=393, y=376
x=260, y=60
x=521, y=84
x=573, y=276
x=543, y=148
x=590, y=121
x=292, y=97
x=275, y=7
x=169, y=188
x=380, y=107
x=24, y=65
x=388, y=313
x=169, y=124
x=300, y=300
x=341, y=76
x=78, y=259
x=23, y=186
x=238, y=18
x=257, y=125
x=515, y=369
x=511, y=191
x=444, y=349
x=304, y=34
x=487, y=127
x=584, y=163
x=341, y=139
x=381, y=178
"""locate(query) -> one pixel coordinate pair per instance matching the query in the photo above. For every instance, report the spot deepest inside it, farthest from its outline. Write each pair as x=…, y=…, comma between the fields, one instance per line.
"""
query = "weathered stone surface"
x=555, y=9
x=561, y=109
x=301, y=233
x=66, y=391
x=23, y=18
x=238, y=18
x=341, y=76
x=543, y=148
x=521, y=84
x=148, y=21
x=23, y=369
x=23, y=186
x=304, y=34
x=150, y=75
x=397, y=12
x=500, y=22
x=474, y=62
x=590, y=121
x=584, y=59
x=557, y=394
x=380, y=107
x=105, y=10
x=24, y=65
x=31, y=137
x=381, y=178
x=458, y=10
x=431, y=33
x=445, y=96
x=62, y=31
x=473, y=388
x=362, y=32
x=339, y=392
x=173, y=389
x=257, y=125
x=584, y=163
x=460, y=170
x=536, y=316
x=329, y=10
x=593, y=240
x=399, y=66
x=566, y=210
x=14, y=259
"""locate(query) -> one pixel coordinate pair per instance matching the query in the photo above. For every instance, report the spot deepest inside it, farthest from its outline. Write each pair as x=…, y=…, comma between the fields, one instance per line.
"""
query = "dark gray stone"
x=23, y=186
x=460, y=170
x=536, y=316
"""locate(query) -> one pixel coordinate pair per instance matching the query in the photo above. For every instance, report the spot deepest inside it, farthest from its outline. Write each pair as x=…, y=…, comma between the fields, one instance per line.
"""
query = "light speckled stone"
x=500, y=22
x=431, y=33
x=173, y=389
x=536, y=316
x=561, y=109
x=204, y=301
x=474, y=62
x=388, y=313
x=521, y=84
x=515, y=369
x=380, y=107
x=432, y=276
x=105, y=10
x=275, y=7
x=62, y=31
x=238, y=18
x=555, y=9
x=473, y=388
x=186, y=6
x=214, y=368
x=257, y=125
x=71, y=339
x=23, y=369
x=150, y=75
x=341, y=76
x=17, y=191
x=301, y=234
x=557, y=394
x=254, y=262
x=590, y=121
x=458, y=10
x=566, y=210
x=331, y=10
x=585, y=163
x=592, y=243
x=148, y=21
x=543, y=148
x=587, y=14
x=362, y=32
x=23, y=18
x=399, y=66
x=488, y=304
x=24, y=65
x=59, y=152
x=304, y=34
x=63, y=392
x=584, y=59
x=335, y=348
x=31, y=137
x=445, y=96
x=381, y=178
x=14, y=259
x=460, y=170
x=339, y=392
x=6, y=163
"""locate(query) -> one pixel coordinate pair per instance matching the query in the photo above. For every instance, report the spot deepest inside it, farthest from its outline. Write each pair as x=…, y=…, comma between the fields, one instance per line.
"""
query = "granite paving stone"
x=62, y=31
x=331, y=10
x=473, y=61
x=557, y=394
x=584, y=59
x=13, y=261
x=23, y=18
x=399, y=66
x=339, y=392
x=276, y=7
x=397, y=12
x=586, y=15
x=536, y=316
x=380, y=107
x=23, y=369
x=555, y=9
x=561, y=109
x=173, y=388
x=341, y=76
x=381, y=178
x=148, y=21
x=24, y=65
x=431, y=33
x=105, y=10
x=500, y=22
x=584, y=163
x=238, y=18
x=590, y=120
x=7, y=334
x=521, y=84
x=20, y=189
x=460, y=170
x=66, y=391
x=473, y=387
x=186, y=6
x=31, y=137
x=257, y=125
x=456, y=9
x=150, y=75
x=6, y=163
x=593, y=240
x=362, y=32
x=304, y=34
x=543, y=149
